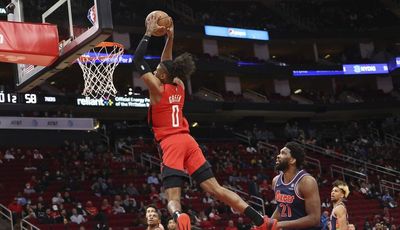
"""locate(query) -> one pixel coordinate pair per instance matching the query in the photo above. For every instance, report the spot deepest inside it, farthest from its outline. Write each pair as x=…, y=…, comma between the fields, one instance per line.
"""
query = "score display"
x=40, y=99
x=15, y=98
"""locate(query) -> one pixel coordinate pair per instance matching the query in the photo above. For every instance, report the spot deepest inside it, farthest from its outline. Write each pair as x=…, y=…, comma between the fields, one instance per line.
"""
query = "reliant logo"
x=1, y=39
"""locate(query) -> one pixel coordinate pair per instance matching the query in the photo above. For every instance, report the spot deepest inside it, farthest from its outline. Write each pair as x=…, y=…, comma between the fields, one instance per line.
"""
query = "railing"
x=351, y=160
x=348, y=172
x=313, y=161
x=391, y=186
x=25, y=225
x=254, y=96
x=389, y=138
x=7, y=214
x=153, y=161
x=242, y=137
x=268, y=146
x=129, y=149
x=209, y=95
x=255, y=200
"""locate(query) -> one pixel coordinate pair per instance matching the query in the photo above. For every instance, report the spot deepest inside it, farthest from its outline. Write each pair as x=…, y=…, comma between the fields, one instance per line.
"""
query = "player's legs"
x=173, y=189
x=173, y=175
x=202, y=173
x=230, y=198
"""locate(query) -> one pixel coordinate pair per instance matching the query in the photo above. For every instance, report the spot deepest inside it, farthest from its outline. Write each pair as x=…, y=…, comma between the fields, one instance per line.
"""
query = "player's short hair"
x=151, y=206
x=342, y=186
x=297, y=152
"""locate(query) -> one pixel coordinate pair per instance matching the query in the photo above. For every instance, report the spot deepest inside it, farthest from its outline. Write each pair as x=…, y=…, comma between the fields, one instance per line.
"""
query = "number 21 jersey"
x=291, y=205
x=165, y=117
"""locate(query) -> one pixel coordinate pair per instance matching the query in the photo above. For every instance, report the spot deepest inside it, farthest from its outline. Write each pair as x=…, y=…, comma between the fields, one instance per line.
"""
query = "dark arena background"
x=324, y=74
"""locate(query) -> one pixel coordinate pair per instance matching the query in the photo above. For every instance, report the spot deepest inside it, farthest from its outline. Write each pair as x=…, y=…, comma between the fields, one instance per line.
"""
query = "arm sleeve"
x=141, y=65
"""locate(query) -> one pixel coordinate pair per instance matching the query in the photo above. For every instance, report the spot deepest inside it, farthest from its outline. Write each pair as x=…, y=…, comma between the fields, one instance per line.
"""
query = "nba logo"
x=92, y=15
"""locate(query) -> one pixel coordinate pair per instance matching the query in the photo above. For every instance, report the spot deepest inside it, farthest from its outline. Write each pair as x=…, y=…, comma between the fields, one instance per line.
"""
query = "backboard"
x=81, y=26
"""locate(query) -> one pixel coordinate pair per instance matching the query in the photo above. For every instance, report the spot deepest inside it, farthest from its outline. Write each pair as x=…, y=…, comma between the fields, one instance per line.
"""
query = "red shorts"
x=181, y=152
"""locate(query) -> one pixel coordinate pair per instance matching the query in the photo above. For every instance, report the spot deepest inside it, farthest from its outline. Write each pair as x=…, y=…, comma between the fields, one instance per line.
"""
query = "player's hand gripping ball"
x=163, y=20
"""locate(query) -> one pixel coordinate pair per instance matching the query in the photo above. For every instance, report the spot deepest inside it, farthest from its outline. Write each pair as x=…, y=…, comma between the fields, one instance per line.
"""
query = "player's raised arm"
x=309, y=189
x=142, y=67
x=167, y=52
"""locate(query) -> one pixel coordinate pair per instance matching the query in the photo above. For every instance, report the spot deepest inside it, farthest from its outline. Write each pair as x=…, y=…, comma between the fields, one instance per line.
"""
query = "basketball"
x=163, y=20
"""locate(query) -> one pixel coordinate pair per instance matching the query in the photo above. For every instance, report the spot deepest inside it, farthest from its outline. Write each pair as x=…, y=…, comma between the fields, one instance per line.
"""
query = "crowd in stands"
x=77, y=184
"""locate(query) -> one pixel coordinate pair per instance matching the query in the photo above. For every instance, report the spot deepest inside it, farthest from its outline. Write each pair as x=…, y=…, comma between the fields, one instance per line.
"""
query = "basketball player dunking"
x=296, y=191
x=180, y=151
x=339, y=217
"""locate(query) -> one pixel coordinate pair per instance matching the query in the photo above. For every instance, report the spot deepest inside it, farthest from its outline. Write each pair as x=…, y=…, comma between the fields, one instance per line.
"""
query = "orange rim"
x=102, y=44
x=109, y=44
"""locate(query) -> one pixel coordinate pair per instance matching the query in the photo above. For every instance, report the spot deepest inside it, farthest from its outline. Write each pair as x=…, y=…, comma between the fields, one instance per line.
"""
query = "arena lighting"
x=244, y=63
x=298, y=91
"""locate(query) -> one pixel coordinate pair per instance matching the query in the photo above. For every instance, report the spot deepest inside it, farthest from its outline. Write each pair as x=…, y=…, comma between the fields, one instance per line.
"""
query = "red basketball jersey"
x=166, y=116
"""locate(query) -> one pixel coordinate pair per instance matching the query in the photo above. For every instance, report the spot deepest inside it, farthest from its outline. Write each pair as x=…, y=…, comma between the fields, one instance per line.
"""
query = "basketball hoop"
x=98, y=66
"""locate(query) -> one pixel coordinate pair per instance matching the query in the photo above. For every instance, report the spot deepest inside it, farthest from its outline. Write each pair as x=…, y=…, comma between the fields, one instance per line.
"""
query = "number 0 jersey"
x=165, y=117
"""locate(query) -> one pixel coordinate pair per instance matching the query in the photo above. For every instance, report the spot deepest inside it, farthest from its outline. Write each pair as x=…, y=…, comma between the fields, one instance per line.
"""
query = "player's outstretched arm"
x=142, y=67
x=309, y=190
x=167, y=52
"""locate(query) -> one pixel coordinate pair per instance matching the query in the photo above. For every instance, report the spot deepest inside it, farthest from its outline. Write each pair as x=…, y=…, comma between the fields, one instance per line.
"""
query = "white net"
x=98, y=67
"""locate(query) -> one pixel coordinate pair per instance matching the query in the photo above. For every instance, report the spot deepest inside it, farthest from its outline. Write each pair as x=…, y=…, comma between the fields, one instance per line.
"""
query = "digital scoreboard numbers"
x=11, y=98
x=26, y=98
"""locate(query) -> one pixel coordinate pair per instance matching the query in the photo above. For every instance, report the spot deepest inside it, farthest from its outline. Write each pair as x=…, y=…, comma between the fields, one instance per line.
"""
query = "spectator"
x=16, y=210
x=264, y=186
x=80, y=210
x=64, y=216
x=231, y=226
x=37, y=155
x=106, y=207
x=90, y=209
x=67, y=198
x=208, y=199
x=21, y=199
x=28, y=190
x=77, y=218
x=9, y=155
x=351, y=227
x=171, y=224
x=117, y=208
x=241, y=225
x=324, y=220
x=152, y=179
x=131, y=190
x=40, y=212
x=57, y=199
x=388, y=200
x=55, y=215
x=129, y=203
